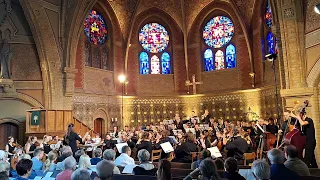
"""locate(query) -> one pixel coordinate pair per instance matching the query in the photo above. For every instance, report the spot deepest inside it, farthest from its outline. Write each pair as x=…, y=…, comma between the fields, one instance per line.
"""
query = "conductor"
x=71, y=138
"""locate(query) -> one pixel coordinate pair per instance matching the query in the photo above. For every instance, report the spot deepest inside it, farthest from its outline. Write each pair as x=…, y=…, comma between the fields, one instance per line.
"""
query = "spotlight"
x=271, y=57
x=317, y=8
x=122, y=78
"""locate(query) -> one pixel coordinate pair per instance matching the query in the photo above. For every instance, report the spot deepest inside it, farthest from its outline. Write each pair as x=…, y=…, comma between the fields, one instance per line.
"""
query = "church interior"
x=106, y=63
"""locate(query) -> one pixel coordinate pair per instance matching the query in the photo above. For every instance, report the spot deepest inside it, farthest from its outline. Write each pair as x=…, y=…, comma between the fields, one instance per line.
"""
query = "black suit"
x=206, y=120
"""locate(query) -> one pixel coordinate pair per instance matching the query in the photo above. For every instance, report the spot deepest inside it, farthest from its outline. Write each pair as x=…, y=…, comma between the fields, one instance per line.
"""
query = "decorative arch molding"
x=313, y=77
x=205, y=12
x=22, y=97
x=21, y=127
x=100, y=113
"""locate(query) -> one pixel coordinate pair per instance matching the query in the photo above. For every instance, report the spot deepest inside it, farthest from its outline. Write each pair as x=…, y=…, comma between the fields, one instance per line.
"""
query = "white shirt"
x=123, y=160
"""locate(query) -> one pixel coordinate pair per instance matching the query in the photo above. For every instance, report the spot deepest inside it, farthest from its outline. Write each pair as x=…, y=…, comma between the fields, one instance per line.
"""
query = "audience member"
x=278, y=170
x=219, y=164
x=78, y=154
x=97, y=156
x=231, y=168
x=294, y=163
x=24, y=156
x=66, y=152
x=24, y=169
x=164, y=170
x=4, y=169
x=203, y=155
x=104, y=170
x=124, y=159
x=80, y=174
x=260, y=170
x=145, y=167
x=69, y=166
x=50, y=164
x=110, y=155
x=84, y=162
x=207, y=169
x=3, y=156
x=37, y=159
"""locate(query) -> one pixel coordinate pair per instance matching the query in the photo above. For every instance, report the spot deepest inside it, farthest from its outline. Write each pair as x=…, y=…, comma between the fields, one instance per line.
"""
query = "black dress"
x=32, y=147
x=10, y=150
x=73, y=138
x=46, y=148
x=147, y=145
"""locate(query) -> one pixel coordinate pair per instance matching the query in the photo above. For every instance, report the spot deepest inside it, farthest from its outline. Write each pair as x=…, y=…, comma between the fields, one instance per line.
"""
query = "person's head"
x=3, y=155
x=105, y=170
x=219, y=164
x=143, y=156
x=84, y=162
x=115, y=128
x=126, y=128
x=275, y=156
x=78, y=154
x=260, y=170
x=126, y=149
x=80, y=174
x=108, y=137
x=33, y=139
x=24, y=156
x=206, y=111
x=164, y=170
x=97, y=152
x=211, y=119
x=190, y=137
x=145, y=135
x=24, y=167
x=67, y=150
x=261, y=122
x=4, y=167
x=70, y=163
x=286, y=115
x=70, y=128
x=177, y=117
x=10, y=139
x=39, y=152
x=271, y=121
x=231, y=165
x=290, y=152
x=52, y=156
x=208, y=169
x=109, y=154
x=205, y=154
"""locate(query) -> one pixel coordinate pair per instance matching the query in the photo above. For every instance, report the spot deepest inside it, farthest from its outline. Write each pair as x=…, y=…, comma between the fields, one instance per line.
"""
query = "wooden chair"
x=249, y=156
x=156, y=155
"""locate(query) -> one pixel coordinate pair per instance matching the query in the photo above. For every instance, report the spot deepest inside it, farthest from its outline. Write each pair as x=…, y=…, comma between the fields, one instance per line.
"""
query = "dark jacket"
x=238, y=147
x=183, y=152
x=233, y=176
x=73, y=138
x=280, y=172
x=147, y=145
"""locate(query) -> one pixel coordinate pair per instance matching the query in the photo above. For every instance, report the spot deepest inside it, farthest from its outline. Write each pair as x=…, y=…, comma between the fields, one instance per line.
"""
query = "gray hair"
x=24, y=156
x=261, y=169
x=37, y=152
x=208, y=169
x=84, y=162
x=70, y=163
x=109, y=154
x=275, y=156
x=143, y=155
x=3, y=155
x=4, y=167
x=125, y=149
x=97, y=152
x=66, y=149
x=105, y=169
x=80, y=174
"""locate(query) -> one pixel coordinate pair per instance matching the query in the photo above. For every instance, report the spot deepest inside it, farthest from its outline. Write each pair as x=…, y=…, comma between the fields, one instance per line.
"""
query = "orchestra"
x=232, y=138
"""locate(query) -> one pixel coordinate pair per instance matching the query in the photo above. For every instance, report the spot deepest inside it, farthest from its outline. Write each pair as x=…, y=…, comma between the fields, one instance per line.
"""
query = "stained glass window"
x=144, y=63
x=165, y=61
x=271, y=43
x=154, y=38
x=155, y=65
x=268, y=15
x=104, y=57
x=218, y=31
x=231, y=58
x=208, y=60
x=219, y=60
x=95, y=28
x=96, y=59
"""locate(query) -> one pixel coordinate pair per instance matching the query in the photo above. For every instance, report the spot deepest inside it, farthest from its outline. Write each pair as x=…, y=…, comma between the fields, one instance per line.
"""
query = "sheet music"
x=167, y=147
x=215, y=153
x=120, y=145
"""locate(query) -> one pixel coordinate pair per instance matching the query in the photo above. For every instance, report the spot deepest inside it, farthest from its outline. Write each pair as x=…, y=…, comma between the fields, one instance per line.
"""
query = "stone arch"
x=313, y=77
x=22, y=97
x=102, y=114
x=20, y=125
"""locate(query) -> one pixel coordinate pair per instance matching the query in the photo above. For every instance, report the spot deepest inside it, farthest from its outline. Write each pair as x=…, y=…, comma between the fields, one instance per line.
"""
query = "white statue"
x=5, y=61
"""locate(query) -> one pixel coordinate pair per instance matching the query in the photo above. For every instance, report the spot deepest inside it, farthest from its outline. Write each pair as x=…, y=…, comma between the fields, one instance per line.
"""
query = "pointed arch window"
x=155, y=57
x=217, y=35
x=271, y=46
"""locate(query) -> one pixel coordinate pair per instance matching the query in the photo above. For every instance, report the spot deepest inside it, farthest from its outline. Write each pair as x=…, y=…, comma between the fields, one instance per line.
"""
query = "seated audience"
x=164, y=170
x=69, y=166
x=207, y=169
x=66, y=152
x=50, y=164
x=278, y=170
x=294, y=163
x=84, y=162
x=231, y=168
x=219, y=164
x=260, y=170
x=4, y=170
x=97, y=156
x=124, y=159
x=78, y=154
x=37, y=159
x=183, y=151
x=3, y=156
x=104, y=170
x=110, y=155
x=203, y=155
x=24, y=169
x=145, y=167
x=80, y=174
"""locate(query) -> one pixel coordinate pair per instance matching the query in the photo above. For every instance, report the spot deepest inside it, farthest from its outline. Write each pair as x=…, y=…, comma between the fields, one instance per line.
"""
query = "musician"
x=10, y=147
x=203, y=141
x=194, y=118
x=71, y=138
x=126, y=139
x=211, y=122
x=30, y=146
x=109, y=143
x=178, y=123
x=183, y=151
x=271, y=127
x=144, y=142
x=115, y=131
x=205, y=117
x=197, y=130
x=309, y=131
x=236, y=146
x=45, y=145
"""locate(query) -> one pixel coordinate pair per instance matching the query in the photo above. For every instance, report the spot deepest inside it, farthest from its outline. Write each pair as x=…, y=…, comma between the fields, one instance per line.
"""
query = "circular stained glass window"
x=95, y=28
x=154, y=38
x=218, y=31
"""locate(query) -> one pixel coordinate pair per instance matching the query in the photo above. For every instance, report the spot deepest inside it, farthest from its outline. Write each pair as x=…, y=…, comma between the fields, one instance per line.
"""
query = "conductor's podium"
x=41, y=122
